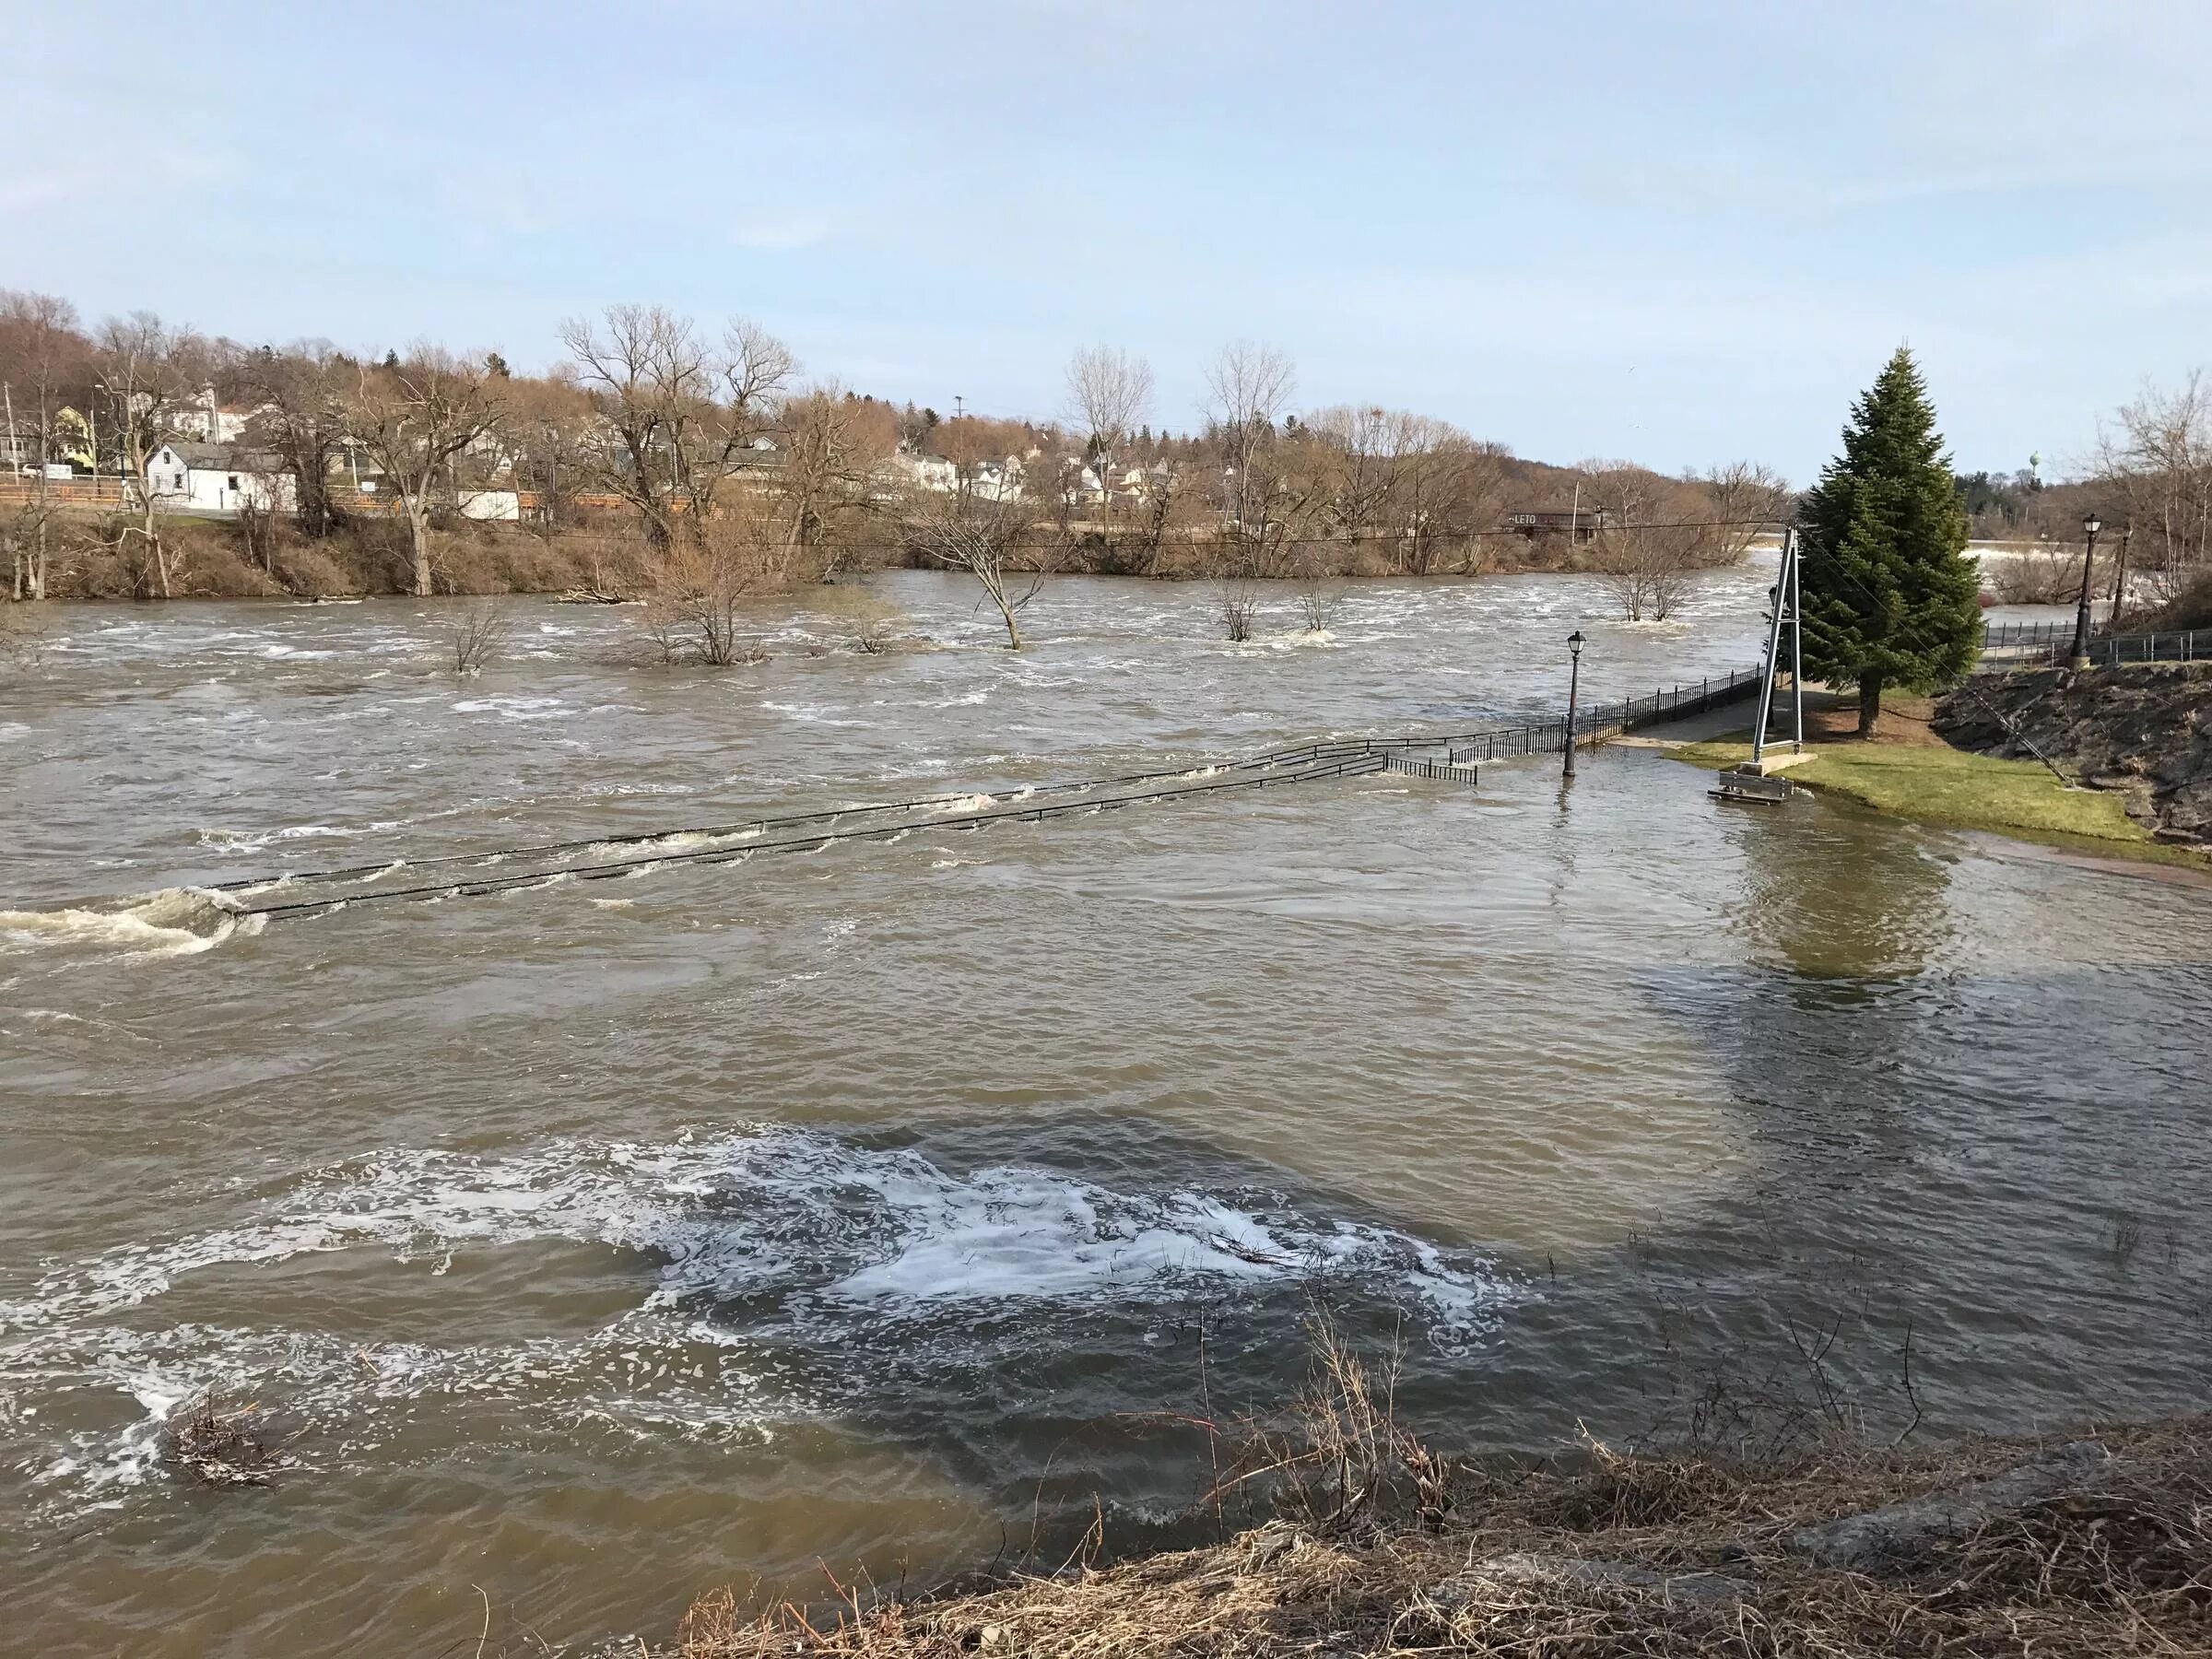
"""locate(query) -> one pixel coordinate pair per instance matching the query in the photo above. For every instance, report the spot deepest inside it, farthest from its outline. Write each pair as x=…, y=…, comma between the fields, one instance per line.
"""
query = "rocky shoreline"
x=2143, y=731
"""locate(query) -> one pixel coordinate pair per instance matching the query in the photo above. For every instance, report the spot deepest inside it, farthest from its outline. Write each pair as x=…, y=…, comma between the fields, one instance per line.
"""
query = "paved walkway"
x=1734, y=720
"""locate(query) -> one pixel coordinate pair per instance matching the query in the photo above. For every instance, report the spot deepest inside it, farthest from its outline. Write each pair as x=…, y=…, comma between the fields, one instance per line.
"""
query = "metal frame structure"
x=1788, y=608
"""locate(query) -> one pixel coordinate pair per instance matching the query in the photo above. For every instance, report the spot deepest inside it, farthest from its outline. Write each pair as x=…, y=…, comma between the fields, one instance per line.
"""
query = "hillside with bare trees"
x=668, y=455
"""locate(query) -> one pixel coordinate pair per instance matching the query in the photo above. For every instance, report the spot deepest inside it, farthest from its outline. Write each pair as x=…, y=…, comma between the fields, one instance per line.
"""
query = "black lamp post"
x=1575, y=685
x=2090, y=524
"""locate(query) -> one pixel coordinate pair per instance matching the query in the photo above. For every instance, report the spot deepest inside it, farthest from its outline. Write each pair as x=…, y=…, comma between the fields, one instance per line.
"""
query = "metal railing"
x=2104, y=650
x=1998, y=636
x=1442, y=771
x=1603, y=719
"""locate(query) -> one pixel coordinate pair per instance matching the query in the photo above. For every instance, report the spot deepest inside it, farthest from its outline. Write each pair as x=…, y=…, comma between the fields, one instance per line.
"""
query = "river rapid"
x=607, y=1243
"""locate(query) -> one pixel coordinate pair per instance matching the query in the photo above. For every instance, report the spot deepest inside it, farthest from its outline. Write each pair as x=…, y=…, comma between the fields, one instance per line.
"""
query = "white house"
x=987, y=480
x=489, y=504
x=219, y=478
x=203, y=419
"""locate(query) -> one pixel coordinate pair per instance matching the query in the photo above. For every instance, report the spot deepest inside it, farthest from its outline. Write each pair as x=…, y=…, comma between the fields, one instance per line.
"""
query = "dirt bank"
x=2097, y=1546
x=2142, y=731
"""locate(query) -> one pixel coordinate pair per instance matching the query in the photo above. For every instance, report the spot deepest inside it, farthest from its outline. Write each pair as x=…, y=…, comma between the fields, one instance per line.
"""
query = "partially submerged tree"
x=982, y=537
x=474, y=636
x=414, y=417
x=1891, y=598
x=1647, y=567
x=705, y=585
x=1746, y=501
x=832, y=446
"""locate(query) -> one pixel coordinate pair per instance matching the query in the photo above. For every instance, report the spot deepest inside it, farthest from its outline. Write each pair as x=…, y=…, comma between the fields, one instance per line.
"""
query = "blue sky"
x=1683, y=233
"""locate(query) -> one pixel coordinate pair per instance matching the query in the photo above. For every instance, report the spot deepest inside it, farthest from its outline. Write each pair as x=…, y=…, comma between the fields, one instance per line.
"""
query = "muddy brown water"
x=609, y=1242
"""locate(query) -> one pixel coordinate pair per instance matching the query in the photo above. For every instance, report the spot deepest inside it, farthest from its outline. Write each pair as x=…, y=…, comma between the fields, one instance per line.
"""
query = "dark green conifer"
x=1890, y=593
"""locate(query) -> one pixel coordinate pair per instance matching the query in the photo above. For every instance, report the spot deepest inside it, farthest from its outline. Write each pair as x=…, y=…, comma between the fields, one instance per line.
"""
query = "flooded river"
x=608, y=1243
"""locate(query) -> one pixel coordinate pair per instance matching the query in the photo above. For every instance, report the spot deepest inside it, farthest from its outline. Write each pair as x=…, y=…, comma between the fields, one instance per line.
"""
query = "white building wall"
x=183, y=487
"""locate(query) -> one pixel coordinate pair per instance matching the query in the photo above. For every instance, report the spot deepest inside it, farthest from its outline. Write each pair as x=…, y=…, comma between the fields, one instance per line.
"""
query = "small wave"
x=174, y=921
x=255, y=840
x=681, y=841
x=964, y=804
x=509, y=707
x=813, y=713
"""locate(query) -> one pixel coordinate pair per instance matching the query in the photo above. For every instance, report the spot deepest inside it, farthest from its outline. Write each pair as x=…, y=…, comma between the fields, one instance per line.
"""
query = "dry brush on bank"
x=2079, y=1552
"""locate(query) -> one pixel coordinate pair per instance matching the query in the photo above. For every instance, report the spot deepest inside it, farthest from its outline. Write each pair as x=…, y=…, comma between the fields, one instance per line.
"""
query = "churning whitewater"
x=806, y=1243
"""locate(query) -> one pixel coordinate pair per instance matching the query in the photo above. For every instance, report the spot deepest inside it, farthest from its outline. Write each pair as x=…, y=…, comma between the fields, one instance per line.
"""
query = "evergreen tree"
x=1889, y=595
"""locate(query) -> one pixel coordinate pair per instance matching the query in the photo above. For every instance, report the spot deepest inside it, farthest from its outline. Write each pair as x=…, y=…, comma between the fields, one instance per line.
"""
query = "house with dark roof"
x=220, y=478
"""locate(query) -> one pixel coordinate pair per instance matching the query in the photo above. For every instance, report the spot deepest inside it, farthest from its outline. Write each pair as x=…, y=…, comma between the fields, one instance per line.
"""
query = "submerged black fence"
x=508, y=869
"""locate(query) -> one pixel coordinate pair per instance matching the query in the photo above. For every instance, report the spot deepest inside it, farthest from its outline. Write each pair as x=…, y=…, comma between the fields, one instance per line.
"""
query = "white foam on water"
x=770, y=1234
x=814, y=713
x=171, y=923
x=681, y=841
x=774, y=1209
x=511, y=707
x=963, y=803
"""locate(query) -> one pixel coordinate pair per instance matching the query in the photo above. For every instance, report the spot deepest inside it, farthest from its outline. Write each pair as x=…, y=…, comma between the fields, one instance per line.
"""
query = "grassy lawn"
x=1936, y=785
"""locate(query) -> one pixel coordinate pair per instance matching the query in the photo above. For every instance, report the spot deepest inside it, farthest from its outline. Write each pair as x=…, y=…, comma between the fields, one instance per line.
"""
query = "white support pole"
x=1773, y=662
x=1790, y=553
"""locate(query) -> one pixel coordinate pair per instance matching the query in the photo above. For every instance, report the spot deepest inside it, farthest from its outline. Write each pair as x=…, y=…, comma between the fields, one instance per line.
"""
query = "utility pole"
x=2127, y=536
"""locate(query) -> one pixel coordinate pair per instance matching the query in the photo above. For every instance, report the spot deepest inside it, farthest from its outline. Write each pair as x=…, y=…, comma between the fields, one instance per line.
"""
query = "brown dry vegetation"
x=1620, y=1556
x=1381, y=1546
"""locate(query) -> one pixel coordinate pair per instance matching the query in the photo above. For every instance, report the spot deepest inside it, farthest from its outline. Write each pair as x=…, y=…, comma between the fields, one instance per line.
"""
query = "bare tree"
x=833, y=444
x=474, y=635
x=39, y=343
x=1251, y=386
x=706, y=586
x=303, y=417
x=1358, y=453
x=1109, y=393
x=1643, y=558
x=1746, y=499
x=1317, y=588
x=1451, y=491
x=1163, y=499
x=982, y=537
x=146, y=369
x=2159, y=463
x=414, y=419
x=1648, y=567
x=675, y=417
x=1236, y=585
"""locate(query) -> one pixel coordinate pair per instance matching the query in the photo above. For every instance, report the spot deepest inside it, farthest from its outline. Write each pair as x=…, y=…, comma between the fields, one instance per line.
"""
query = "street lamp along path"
x=2090, y=524
x=1574, y=685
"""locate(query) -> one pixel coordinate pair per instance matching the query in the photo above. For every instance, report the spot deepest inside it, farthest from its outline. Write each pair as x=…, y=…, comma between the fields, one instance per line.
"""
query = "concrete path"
x=1734, y=720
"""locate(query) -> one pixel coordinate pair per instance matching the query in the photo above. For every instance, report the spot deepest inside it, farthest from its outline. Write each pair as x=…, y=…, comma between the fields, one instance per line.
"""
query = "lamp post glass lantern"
x=1574, y=684
x=2090, y=524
